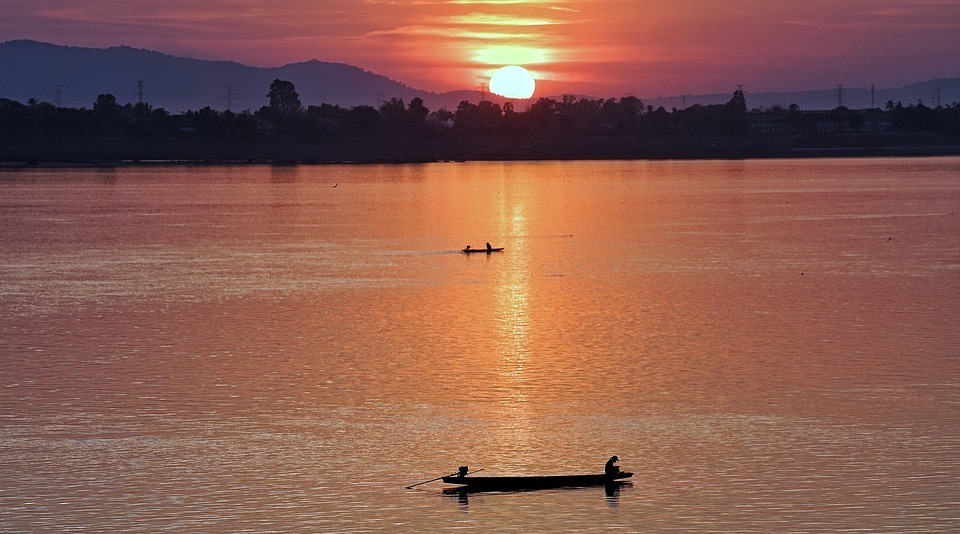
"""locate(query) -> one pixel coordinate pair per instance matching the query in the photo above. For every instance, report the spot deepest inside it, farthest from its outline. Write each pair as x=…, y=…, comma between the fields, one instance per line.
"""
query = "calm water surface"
x=770, y=345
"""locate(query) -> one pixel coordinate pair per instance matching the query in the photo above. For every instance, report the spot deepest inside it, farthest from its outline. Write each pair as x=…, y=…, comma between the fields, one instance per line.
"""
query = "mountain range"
x=74, y=76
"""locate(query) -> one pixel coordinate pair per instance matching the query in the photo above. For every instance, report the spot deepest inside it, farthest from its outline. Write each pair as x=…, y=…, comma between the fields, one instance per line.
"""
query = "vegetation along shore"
x=284, y=131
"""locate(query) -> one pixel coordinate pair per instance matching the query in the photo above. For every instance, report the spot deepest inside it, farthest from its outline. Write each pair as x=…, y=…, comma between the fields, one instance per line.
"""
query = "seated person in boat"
x=462, y=471
x=489, y=248
x=610, y=468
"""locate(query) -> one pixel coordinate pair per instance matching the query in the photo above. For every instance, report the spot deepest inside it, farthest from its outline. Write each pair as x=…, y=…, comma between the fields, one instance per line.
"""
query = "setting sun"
x=513, y=82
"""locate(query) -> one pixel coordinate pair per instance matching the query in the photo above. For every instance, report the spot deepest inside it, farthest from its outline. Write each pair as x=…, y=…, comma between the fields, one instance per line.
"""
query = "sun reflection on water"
x=513, y=299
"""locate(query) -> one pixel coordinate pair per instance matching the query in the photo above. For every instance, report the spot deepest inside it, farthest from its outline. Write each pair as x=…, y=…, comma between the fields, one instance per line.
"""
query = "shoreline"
x=17, y=153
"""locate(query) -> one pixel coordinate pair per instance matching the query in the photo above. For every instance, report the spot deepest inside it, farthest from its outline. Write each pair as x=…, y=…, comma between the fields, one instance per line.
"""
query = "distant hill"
x=73, y=77
x=39, y=70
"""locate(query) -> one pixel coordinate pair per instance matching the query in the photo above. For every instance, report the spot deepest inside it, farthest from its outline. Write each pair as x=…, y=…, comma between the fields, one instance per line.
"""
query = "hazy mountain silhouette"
x=36, y=70
x=73, y=77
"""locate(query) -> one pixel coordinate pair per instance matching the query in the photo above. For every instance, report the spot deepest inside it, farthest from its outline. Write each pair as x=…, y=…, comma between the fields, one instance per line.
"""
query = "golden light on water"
x=269, y=351
x=513, y=320
x=513, y=297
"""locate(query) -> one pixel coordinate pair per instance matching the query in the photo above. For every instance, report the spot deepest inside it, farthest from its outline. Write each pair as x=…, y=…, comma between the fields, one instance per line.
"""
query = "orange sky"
x=601, y=47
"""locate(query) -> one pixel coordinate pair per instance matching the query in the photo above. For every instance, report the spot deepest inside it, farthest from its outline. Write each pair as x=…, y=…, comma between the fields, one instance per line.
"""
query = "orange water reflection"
x=257, y=340
x=512, y=317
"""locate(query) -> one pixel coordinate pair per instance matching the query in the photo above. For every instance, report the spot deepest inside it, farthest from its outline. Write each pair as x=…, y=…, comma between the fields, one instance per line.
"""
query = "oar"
x=438, y=478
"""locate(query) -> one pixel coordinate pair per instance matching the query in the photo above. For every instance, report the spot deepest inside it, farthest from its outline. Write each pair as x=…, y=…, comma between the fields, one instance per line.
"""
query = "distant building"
x=875, y=120
x=841, y=120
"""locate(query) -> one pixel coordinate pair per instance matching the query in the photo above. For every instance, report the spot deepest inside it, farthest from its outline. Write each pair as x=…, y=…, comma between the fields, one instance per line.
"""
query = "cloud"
x=499, y=20
x=449, y=33
x=648, y=46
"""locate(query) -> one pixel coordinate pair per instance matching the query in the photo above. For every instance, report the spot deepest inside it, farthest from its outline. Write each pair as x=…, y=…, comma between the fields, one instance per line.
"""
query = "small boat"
x=479, y=250
x=516, y=483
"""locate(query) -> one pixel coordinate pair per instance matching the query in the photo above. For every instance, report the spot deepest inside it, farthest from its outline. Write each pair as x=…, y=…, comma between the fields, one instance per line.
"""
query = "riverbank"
x=113, y=151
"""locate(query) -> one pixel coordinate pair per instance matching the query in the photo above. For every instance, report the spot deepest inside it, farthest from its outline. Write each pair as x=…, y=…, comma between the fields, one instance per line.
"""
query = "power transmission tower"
x=229, y=97
x=483, y=92
x=58, y=93
x=839, y=96
x=937, y=93
x=140, y=91
x=873, y=94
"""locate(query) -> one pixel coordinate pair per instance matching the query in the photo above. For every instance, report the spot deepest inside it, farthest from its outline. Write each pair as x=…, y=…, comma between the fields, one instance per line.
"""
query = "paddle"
x=438, y=478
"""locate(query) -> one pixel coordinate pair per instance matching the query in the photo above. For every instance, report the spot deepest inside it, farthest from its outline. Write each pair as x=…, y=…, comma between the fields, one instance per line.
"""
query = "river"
x=769, y=345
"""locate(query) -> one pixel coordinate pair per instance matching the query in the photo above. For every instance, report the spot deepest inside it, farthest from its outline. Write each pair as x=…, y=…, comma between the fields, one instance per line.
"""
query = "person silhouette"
x=489, y=248
x=610, y=469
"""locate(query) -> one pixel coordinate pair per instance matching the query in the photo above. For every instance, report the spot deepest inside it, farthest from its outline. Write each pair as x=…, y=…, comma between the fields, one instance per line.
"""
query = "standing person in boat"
x=610, y=468
x=489, y=248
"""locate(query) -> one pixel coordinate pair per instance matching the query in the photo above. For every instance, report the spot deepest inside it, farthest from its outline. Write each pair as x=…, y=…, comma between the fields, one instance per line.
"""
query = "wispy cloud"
x=450, y=33
x=500, y=20
x=643, y=45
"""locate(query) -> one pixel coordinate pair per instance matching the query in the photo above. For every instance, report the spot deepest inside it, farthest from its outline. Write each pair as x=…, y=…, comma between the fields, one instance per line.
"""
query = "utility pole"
x=873, y=94
x=839, y=96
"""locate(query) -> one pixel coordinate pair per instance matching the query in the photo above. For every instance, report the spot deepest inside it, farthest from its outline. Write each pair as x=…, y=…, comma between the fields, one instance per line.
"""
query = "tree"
x=736, y=113
x=108, y=114
x=284, y=98
x=489, y=114
x=418, y=114
x=106, y=103
x=142, y=109
x=362, y=121
x=542, y=115
x=393, y=113
x=326, y=119
x=15, y=118
x=485, y=115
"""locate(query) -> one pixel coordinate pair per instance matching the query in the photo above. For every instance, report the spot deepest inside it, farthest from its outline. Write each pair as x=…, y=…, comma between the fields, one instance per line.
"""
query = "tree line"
x=285, y=116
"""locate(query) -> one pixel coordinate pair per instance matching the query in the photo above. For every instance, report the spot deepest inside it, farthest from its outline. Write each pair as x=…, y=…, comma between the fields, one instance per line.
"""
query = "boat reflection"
x=612, y=493
x=462, y=494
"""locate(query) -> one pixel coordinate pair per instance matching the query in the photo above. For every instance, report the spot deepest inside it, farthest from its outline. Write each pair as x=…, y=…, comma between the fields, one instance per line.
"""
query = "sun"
x=513, y=82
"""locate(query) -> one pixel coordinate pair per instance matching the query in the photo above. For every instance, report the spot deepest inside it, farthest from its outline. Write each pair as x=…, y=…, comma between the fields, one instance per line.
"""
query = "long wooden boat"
x=479, y=250
x=514, y=483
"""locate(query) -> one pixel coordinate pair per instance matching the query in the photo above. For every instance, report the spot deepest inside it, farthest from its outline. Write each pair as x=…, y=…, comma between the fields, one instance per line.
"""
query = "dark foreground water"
x=772, y=346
